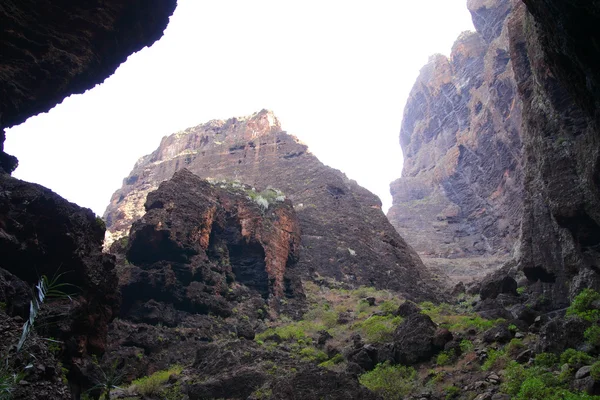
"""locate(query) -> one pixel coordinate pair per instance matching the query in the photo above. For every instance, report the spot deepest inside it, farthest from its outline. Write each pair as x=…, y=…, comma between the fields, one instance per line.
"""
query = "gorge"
x=236, y=265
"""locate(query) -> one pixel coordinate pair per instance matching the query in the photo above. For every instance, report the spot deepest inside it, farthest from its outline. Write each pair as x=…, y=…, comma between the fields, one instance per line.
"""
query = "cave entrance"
x=247, y=259
x=249, y=268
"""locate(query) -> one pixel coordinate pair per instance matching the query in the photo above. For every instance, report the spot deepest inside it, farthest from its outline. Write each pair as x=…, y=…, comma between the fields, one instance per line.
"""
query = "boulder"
x=414, y=340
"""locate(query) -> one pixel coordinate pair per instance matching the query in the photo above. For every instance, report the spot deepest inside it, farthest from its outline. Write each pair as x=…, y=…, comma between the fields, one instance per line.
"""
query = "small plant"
x=582, y=305
x=494, y=357
x=592, y=335
x=466, y=346
x=312, y=354
x=515, y=347
x=392, y=382
x=108, y=381
x=378, y=329
x=445, y=358
x=152, y=385
x=575, y=357
x=452, y=392
x=337, y=359
x=545, y=360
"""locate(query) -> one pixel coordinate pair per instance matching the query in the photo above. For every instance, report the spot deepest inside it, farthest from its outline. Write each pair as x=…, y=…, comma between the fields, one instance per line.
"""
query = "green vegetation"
x=582, y=305
x=108, y=381
x=546, y=360
x=457, y=318
x=153, y=385
x=466, y=346
x=392, y=382
x=378, y=329
x=445, y=358
x=335, y=360
x=537, y=383
x=451, y=392
x=592, y=335
x=45, y=289
x=575, y=357
x=496, y=358
x=595, y=372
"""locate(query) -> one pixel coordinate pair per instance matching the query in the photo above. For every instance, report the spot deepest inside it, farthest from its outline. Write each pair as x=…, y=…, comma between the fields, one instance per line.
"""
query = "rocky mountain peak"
x=345, y=235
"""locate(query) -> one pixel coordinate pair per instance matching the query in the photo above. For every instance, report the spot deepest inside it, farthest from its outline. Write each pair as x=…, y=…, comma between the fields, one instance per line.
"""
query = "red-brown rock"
x=345, y=235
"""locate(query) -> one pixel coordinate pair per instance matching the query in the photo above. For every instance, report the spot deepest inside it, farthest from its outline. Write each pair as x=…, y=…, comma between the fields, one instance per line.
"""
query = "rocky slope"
x=458, y=202
x=206, y=267
x=345, y=235
x=555, y=55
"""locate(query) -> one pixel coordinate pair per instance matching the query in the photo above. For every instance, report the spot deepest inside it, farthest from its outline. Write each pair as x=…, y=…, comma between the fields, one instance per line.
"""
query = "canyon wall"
x=555, y=55
x=459, y=201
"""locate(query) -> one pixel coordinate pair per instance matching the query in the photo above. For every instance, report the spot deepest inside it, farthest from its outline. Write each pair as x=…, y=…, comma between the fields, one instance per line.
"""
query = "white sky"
x=336, y=73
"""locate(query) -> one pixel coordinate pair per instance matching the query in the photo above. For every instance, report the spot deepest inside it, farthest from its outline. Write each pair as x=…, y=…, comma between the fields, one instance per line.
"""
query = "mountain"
x=345, y=235
x=459, y=201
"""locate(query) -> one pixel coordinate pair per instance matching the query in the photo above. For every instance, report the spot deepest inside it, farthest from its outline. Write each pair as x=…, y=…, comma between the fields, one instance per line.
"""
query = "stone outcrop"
x=51, y=50
x=198, y=242
x=43, y=234
x=345, y=235
x=555, y=57
x=458, y=202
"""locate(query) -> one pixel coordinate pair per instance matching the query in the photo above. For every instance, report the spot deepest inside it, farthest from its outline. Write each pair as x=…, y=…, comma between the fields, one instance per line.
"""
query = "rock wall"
x=51, y=50
x=555, y=53
x=345, y=235
x=458, y=202
x=197, y=241
x=43, y=234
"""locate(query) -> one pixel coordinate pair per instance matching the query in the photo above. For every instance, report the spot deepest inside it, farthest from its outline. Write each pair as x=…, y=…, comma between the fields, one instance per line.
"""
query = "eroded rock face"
x=345, y=235
x=555, y=55
x=43, y=234
x=198, y=242
x=460, y=192
x=51, y=50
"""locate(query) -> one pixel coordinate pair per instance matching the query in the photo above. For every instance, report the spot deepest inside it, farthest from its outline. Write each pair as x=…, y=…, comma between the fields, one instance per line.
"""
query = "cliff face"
x=460, y=193
x=345, y=235
x=43, y=234
x=196, y=241
x=555, y=53
x=51, y=50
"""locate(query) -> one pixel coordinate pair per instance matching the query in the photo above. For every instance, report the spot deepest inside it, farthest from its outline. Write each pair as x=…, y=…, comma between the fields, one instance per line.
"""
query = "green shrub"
x=445, y=358
x=466, y=346
x=595, y=372
x=514, y=347
x=546, y=360
x=337, y=359
x=534, y=383
x=592, y=335
x=313, y=354
x=392, y=382
x=574, y=357
x=464, y=323
x=451, y=392
x=582, y=305
x=152, y=385
x=388, y=307
x=494, y=357
x=378, y=329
